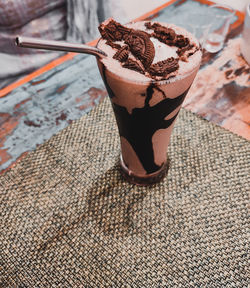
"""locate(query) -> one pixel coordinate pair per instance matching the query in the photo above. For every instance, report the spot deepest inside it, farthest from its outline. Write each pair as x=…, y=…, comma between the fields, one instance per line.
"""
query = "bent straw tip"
x=17, y=40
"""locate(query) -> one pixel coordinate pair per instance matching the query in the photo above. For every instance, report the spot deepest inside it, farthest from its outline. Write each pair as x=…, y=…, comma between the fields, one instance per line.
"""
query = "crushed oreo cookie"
x=163, y=34
x=182, y=50
x=162, y=68
x=193, y=51
x=169, y=37
x=133, y=65
x=113, y=31
x=141, y=46
x=122, y=54
x=148, y=25
x=181, y=41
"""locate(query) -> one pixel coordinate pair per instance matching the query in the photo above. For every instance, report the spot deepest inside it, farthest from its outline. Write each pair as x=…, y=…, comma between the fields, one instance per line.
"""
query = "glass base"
x=146, y=180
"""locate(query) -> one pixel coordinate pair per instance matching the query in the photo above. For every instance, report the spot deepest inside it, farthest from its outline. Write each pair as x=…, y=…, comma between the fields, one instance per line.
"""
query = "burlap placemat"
x=68, y=219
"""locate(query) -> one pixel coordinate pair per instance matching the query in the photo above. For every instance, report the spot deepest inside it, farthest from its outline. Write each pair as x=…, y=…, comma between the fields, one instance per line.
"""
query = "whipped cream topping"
x=187, y=61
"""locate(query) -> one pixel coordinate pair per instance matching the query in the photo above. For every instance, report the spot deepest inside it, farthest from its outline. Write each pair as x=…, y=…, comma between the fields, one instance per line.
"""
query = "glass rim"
x=170, y=80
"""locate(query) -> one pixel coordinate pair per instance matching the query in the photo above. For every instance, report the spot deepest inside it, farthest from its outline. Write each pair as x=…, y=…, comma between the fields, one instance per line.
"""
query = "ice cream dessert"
x=148, y=72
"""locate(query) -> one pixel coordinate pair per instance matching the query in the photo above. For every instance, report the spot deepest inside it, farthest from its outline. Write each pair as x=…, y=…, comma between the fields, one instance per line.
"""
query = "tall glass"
x=145, y=113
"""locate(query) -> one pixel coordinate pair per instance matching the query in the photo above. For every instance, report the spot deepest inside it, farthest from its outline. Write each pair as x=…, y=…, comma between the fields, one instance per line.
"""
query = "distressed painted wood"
x=43, y=103
x=34, y=112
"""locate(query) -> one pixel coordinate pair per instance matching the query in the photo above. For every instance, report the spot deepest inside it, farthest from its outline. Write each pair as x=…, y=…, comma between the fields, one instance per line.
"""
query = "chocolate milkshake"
x=148, y=72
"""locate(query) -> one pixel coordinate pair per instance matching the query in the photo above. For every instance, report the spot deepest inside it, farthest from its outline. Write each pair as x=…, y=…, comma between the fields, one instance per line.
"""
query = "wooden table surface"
x=38, y=106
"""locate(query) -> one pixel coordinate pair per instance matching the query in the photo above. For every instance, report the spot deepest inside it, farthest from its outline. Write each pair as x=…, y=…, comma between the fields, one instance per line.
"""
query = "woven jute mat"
x=68, y=219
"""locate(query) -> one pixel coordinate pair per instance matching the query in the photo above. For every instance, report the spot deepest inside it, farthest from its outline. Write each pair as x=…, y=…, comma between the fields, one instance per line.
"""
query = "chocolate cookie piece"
x=133, y=65
x=181, y=51
x=148, y=25
x=169, y=37
x=164, y=67
x=181, y=41
x=193, y=51
x=122, y=54
x=186, y=52
x=113, y=31
x=164, y=34
x=141, y=46
x=160, y=29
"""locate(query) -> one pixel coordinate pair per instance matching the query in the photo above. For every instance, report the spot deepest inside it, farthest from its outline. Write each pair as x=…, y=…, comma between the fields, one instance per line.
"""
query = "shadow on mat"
x=113, y=206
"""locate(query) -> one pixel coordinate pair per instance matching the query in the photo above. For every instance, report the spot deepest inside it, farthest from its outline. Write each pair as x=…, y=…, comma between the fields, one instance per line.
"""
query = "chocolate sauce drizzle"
x=139, y=127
